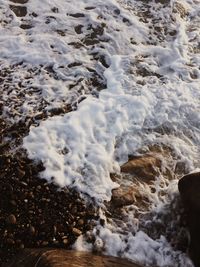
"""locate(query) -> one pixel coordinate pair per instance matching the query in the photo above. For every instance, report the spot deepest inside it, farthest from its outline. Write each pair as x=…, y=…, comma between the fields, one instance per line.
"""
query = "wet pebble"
x=35, y=213
x=32, y=230
x=11, y=219
x=76, y=231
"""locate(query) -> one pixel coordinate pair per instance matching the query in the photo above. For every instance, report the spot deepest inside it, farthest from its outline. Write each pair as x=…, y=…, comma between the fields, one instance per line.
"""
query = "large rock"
x=65, y=258
x=125, y=195
x=144, y=167
x=141, y=170
x=189, y=187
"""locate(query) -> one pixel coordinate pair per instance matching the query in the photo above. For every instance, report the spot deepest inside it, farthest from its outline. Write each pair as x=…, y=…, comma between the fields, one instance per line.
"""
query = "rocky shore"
x=39, y=215
x=34, y=213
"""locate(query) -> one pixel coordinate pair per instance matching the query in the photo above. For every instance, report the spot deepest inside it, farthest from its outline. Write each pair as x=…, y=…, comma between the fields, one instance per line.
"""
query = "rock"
x=81, y=222
x=138, y=175
x=78, y=29
x=124, y=196
x=76, y=231
x=20, y=11
x=77, y=15
x=35, y=213
x=32, y=230
x=163, y=1
x=189, y=188
x=144, y=167
x=11, y=219
x=65, y=241
x=19, y=1
x=140, y=170
x=65, y=258
x=10, y=241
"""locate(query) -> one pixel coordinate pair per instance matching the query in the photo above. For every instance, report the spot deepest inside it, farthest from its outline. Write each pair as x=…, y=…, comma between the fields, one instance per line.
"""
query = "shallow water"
x=130, y=70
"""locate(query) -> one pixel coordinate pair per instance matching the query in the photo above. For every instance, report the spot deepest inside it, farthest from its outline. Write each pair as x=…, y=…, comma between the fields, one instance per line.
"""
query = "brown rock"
x=65, y=241
x=76, y=231
x=144, y=167
x=124, y=196
x=11, y=219
x=32, y=230
x=80, y=222
x=65, y=258
x=21, y=172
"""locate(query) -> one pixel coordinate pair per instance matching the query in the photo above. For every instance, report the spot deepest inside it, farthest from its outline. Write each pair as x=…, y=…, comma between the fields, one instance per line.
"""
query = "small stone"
x=21, y=173
x=11, y=219
x=65, y=241
x=10, y=241
x=32, y=230
x=78, y=29
x=54, y=230
x=77, y=15
x=20, y=11
x=24, y=184
x=102, y=222
x=39, y=187
x=21, y=246
x=76, y=231
x=45, y=243
x=13, y=203
x=80, y=222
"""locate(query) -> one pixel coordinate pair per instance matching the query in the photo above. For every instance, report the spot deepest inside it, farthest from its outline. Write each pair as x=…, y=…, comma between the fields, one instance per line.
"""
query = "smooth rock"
x=143, y=167
x=65, y=258
x=124, y=196
x=11, y=219
x=189, y=188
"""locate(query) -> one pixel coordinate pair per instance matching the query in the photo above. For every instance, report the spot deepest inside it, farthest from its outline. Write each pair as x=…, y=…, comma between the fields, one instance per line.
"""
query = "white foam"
x=134, y=245
x=90, y=133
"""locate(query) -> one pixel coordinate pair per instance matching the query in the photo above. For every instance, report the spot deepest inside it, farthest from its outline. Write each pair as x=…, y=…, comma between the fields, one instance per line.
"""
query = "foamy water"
x=146, y=57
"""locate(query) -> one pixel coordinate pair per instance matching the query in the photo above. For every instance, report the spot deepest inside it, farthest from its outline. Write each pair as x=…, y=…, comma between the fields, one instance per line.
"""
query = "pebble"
x=45, y=243
x=10, y=241
x=13, y=202
x=21, y=173
x=76, y=231
x=80, y=222
x=11, y=219
x=54, y=230
x=30, y=219
x=65, y=241
x=32, y=230
x=21, y=246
